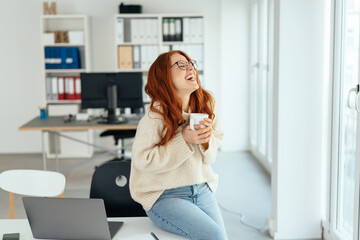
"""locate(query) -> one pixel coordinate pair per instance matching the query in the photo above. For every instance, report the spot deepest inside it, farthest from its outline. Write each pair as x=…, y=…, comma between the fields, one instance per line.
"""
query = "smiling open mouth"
x=190, y=78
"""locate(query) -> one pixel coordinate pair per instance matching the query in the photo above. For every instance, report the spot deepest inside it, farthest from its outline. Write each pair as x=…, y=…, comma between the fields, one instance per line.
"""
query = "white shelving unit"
x=146, y=32
x=51, y=24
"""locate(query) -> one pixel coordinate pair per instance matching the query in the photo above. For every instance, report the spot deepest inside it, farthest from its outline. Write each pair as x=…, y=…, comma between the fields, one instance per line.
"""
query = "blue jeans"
x=190, y=211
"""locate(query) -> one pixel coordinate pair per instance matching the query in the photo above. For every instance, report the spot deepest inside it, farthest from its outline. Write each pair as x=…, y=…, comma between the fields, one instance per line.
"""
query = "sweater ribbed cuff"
x=210, y=153
x=182, y=149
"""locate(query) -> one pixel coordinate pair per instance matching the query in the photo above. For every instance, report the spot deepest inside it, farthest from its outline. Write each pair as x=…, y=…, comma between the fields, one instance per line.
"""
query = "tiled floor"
x=244, y=187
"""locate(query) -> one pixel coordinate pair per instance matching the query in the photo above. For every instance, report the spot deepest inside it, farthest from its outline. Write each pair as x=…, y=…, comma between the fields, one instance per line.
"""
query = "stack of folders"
x=63, y=88
x=195, y=51
x=193, y=30
x=144, y=30
x=172, y=29
x=137, y=57
x=148, y=54
x=189, y=30
x=62, y=57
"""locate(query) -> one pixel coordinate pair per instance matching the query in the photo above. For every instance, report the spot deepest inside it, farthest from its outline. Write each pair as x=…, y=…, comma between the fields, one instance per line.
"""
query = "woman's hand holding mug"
x=201, y=134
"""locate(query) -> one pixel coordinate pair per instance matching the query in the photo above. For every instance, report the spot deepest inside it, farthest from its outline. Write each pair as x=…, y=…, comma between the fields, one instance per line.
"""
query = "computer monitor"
x=111, y=90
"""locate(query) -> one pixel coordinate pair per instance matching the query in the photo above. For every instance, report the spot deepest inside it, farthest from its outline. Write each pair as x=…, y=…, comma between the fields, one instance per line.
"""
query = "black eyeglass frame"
x=191, y=62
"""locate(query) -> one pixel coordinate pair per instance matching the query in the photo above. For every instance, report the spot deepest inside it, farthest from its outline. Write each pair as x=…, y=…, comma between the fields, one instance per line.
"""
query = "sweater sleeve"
x=209, y=155
x=157, y=159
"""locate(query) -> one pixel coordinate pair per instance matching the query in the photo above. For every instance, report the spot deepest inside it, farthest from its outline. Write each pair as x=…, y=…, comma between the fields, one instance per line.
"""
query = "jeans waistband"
x=185, y=191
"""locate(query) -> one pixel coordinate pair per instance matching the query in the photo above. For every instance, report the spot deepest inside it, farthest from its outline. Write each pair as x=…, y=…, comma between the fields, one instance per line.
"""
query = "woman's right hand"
x=197, y=136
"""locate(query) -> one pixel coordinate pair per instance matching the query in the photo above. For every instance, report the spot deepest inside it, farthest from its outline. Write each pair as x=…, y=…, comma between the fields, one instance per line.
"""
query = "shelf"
x=135, y=44
x=157, y=15
x=163, y=43
x=181, y=43
x=63, y=101
x=64, y=16
x=64, y=45
x=51, y=24
x=136, y=15
x=142, y=70
x=176, y=15
x=131, y=70
x=75, y=70
x=128, y=46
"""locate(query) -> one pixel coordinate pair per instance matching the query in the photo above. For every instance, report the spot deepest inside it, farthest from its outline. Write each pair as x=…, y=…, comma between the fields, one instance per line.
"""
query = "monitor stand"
x=114, y=120
x=112, y=103
x=121, y=119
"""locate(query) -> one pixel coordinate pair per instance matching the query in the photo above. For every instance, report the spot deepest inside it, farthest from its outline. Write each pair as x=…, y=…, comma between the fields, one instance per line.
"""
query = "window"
x=260, y=84
x=343, y=214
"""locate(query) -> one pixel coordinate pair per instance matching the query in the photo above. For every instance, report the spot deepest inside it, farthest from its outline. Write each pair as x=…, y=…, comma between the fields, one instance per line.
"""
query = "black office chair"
x=110, y=182
x=119, y=135
x=122, y=135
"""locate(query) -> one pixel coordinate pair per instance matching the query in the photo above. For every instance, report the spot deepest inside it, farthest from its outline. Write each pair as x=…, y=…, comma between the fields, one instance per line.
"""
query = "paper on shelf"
x=48, y=38
x=76, y=37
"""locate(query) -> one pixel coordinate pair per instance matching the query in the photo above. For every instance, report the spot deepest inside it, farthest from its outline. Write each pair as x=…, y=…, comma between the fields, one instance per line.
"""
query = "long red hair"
x=161, y=91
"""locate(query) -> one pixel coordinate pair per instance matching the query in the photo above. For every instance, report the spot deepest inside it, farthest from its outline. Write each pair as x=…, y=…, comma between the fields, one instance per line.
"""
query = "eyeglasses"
x=183, y=65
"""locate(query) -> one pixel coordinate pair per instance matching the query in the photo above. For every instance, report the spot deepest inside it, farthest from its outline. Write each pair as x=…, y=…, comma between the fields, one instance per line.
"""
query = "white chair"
x=37, y=183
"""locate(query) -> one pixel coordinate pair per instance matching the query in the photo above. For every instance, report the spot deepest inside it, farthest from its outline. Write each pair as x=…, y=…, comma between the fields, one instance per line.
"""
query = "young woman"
x=171, y=176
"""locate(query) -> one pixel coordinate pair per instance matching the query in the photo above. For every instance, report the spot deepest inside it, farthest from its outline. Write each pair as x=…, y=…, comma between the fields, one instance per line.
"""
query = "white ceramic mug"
x=196, y=118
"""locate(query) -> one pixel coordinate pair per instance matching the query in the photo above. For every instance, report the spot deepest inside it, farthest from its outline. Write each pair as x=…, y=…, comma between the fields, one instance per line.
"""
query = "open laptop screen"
x=67, y=218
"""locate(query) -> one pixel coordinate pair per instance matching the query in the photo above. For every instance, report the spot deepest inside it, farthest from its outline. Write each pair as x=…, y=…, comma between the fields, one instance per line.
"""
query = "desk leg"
x=43, y=149
x=56, y=153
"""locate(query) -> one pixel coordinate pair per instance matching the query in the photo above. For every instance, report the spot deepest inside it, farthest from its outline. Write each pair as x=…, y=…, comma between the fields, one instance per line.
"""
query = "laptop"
x=69, y=218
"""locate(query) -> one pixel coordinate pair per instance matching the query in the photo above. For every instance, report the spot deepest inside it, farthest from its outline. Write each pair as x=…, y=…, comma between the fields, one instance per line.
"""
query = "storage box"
x=129, y=8
x=48, y=38
x=76, y=37
x=61, y=37
x=125, y=56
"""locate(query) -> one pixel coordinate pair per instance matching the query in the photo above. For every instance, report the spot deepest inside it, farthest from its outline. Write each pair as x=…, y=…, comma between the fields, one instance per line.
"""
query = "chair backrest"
x=37, y=183
x=28, y=182
x=110, y=182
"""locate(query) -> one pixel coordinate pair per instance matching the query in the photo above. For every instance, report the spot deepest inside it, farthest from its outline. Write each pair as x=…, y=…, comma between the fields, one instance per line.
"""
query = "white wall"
x=21, y=88
x=234, y=74
x=21, y=83
x=299, y=81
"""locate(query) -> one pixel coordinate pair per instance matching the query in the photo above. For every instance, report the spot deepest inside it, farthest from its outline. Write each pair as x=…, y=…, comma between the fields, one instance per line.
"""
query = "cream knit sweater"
x=157, y=168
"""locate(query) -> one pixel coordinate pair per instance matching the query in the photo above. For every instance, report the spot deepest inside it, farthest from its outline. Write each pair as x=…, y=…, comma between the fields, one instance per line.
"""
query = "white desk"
x=54, y=125
x=132, y=226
